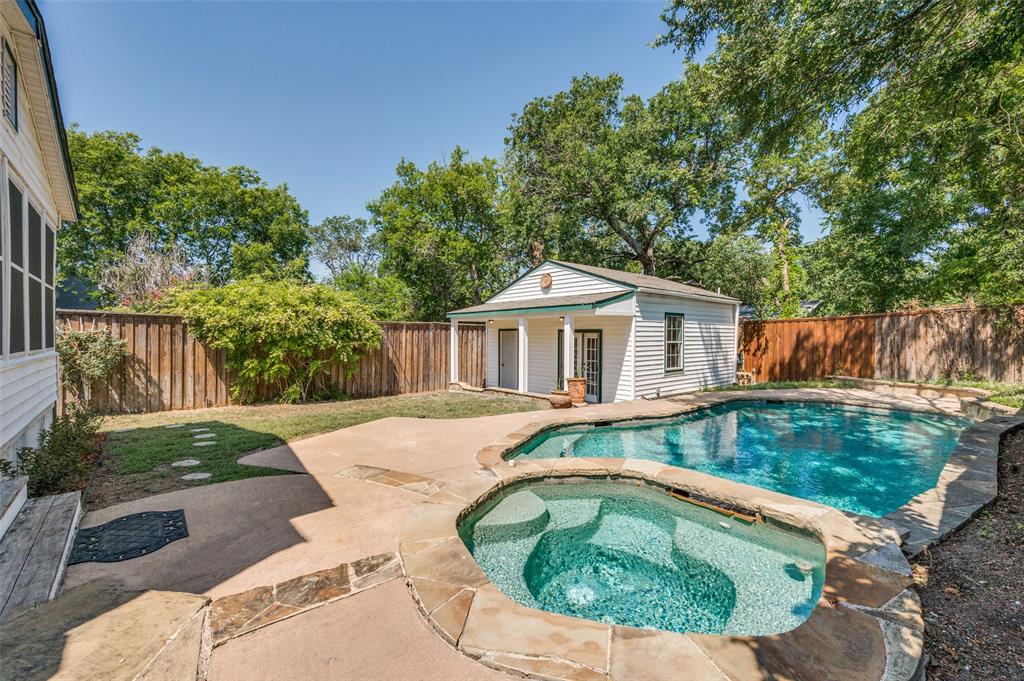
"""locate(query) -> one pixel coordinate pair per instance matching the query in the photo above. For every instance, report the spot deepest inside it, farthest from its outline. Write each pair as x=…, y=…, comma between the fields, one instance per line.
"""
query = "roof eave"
x=34, y=19
x=727, y=300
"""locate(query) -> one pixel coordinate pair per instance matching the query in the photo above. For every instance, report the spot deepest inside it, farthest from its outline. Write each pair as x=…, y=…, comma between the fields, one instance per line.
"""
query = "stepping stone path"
x=124, y=430
x=175, y=425
x=204, y=436
x=205, y=443
x=195, y=476
x=184, y=463
x=197, y=430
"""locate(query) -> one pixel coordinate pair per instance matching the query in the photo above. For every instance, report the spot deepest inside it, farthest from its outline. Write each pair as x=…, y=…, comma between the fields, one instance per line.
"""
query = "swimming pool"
x=623, y=553
x=868, y=461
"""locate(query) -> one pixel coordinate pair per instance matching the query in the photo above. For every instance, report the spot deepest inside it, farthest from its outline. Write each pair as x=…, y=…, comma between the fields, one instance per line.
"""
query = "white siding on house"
x=564, y=282
x=542, y=372
x=28, y=391
x=28, y=382
x=709, y=347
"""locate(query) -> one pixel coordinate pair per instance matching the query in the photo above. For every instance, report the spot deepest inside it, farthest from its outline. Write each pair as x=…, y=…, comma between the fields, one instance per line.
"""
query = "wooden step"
x=13, y=494
x=35, y=551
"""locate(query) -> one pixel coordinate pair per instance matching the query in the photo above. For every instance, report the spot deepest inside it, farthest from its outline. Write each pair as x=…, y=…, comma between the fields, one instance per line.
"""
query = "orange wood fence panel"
x=924, y=345
x=169, y=369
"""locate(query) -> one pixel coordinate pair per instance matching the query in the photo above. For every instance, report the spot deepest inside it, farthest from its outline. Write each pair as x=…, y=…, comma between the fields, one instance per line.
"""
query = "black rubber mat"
x=128, y=537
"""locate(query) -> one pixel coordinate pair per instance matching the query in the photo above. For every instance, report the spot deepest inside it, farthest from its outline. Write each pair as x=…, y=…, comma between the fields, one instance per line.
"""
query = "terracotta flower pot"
x=577, y=390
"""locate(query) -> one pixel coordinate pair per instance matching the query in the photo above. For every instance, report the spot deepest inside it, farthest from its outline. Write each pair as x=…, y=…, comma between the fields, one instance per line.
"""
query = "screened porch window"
x=673, y=342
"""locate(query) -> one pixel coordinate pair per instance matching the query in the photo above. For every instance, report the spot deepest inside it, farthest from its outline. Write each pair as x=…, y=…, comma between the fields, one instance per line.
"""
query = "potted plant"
x=577, y=389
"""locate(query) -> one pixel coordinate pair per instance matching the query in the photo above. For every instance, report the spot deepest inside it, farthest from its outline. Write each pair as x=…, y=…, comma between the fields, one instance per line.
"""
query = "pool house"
x=629, y=335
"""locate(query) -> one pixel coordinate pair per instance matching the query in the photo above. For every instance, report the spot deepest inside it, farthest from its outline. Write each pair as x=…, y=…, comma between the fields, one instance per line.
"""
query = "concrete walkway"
x=258, y=532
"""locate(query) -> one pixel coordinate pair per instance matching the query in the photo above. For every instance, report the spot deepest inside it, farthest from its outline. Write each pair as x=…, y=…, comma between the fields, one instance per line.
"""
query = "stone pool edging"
x=966, y=485
x=866, y=625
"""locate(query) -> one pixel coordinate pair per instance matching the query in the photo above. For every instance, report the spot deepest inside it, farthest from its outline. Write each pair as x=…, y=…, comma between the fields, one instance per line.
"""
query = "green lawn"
x=1004, y=393
x=780, y=385
x=139, y=449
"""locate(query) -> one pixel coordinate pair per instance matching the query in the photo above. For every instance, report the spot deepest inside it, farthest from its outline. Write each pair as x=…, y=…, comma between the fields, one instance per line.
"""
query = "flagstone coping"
x=250, y=610
x=966, y=485
x=867, y=621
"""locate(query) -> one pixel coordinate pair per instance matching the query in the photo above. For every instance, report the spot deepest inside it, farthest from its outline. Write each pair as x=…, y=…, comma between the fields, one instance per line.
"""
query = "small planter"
x=577, y=390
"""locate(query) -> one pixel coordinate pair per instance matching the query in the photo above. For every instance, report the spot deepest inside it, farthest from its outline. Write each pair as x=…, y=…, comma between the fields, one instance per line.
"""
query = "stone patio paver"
x=373, y=635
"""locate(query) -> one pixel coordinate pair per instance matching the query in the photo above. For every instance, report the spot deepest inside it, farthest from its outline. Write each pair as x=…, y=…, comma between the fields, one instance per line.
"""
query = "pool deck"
x=308, y=571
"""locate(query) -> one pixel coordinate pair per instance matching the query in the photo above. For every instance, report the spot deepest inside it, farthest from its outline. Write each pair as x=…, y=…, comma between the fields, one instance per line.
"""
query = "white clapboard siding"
x=28, y=383
x=709, y=345
x=564, y=282
x=28, y=392
x=542, y=368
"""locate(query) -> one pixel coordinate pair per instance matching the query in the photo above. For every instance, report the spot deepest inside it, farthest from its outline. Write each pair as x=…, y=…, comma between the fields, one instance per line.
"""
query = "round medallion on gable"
x=545, y=281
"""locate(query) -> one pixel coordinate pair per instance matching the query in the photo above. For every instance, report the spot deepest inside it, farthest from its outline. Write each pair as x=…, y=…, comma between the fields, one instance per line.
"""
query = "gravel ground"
x=972, y=587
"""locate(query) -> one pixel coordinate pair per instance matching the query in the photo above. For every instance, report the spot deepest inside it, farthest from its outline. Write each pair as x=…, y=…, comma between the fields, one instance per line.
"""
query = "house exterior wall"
x=28, y=380
x=564, y=282
x=709, y=333
x=542, y=362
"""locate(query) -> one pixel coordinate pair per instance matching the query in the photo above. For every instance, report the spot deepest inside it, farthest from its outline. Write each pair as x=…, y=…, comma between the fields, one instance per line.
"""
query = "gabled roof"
x=645, y=281
x=550, y=304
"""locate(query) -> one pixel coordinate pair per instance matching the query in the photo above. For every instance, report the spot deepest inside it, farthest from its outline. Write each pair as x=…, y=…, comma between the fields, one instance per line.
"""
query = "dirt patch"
x=972, y=586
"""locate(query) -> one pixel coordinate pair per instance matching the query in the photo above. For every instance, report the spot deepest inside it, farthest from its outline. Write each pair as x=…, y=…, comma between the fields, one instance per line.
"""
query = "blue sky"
x=328, y=96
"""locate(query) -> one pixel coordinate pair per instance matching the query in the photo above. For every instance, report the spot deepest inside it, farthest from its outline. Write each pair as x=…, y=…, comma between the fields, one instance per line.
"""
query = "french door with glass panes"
x=587, y=355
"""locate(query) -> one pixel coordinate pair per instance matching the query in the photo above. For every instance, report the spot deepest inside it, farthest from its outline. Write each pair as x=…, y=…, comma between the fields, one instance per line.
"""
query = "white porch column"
x=523, y=355
x=453, y=352
x=568, y=348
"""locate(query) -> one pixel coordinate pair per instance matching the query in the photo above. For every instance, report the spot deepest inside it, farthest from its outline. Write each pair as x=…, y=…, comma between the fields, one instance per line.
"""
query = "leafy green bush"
x=87, y=357
x=280, y=335
x=62, y=459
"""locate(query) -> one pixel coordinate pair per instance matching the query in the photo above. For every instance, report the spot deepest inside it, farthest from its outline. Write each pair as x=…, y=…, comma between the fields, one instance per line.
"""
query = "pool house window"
x=673, y=342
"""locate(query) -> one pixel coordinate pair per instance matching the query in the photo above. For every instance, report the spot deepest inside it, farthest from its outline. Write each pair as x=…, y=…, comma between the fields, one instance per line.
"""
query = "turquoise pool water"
x=869, y=461
x=626, y=554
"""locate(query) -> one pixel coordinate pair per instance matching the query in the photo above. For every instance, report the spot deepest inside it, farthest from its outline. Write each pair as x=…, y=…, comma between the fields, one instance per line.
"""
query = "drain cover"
x=128, y=537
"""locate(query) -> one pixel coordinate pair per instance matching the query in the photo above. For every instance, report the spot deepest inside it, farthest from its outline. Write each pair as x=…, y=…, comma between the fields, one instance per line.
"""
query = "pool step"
x=519, y=514
x=34, y=551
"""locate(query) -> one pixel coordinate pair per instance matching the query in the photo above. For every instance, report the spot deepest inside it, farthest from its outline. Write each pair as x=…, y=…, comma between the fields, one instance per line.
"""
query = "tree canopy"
x=228, y=221
x=922, y=199
x=440, y=231
x=621, y=175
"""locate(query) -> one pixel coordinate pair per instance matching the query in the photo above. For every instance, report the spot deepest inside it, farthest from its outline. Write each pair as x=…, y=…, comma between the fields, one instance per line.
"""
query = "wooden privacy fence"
x=926, y=345
x=169, y=369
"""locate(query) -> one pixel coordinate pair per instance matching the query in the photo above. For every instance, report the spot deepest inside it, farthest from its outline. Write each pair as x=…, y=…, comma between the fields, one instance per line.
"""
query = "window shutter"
x=9, y=91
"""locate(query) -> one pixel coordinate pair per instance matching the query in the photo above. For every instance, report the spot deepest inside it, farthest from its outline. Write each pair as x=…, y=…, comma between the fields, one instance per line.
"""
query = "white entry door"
x=508, y=358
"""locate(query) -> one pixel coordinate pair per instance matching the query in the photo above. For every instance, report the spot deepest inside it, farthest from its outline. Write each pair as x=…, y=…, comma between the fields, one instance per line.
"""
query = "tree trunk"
x=536, y=251
x=647, y=261
x=780, y=246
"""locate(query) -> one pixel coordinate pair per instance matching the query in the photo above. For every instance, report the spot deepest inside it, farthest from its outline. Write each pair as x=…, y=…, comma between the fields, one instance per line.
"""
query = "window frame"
x=681, y=342
x=8, y=269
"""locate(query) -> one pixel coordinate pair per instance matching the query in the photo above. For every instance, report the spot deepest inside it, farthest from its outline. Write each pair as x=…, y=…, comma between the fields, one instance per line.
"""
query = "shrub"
x=86, y=358
x=62, y=459
x=282, y=334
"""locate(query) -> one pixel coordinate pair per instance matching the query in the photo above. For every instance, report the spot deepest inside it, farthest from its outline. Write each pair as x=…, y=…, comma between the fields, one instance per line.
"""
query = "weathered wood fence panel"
x=169, y=369
x=925, y=345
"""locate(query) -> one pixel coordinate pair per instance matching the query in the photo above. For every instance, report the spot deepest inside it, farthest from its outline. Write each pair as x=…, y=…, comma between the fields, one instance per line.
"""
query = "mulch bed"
x=972, y=586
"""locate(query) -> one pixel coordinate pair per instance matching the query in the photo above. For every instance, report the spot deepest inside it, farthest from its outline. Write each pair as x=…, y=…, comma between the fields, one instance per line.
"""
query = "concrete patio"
x=348, y=503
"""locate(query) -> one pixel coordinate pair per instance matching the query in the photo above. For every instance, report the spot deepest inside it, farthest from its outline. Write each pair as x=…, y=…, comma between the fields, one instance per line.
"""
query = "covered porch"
x=534, y=346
